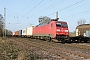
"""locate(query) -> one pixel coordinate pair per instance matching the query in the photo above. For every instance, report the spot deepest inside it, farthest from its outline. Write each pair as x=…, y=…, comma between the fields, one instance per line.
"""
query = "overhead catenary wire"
x=49, y=7
x=33, y=8
x=27, y=5
x=45, y=8
x=79, y=6
x=63, y=8
x=22, y=11
x=67, y=7
x=73, y=15
x=52, y=5
x=77, y=14
x=12, y=11
x=25, y=8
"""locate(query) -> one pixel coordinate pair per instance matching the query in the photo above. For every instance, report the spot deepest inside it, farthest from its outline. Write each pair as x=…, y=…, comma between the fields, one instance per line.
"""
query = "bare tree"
x=1, y=25
x=8, y=32
x=1, y=21
x=82, y=21
x=2, y=29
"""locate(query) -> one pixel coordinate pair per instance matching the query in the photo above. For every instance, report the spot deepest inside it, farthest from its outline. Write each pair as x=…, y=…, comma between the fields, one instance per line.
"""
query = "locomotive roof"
x=49, y=22
x=61, y=21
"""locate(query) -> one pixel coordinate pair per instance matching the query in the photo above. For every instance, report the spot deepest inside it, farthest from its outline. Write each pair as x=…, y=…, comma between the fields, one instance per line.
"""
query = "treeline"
x=2, y=29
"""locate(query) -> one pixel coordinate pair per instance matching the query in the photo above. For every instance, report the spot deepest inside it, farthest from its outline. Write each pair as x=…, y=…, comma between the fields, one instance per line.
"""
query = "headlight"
x=58, y=30
x=66, y=30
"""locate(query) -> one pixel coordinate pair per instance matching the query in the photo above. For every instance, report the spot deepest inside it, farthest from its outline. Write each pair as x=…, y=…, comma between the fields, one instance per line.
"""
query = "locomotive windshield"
x=62, y=25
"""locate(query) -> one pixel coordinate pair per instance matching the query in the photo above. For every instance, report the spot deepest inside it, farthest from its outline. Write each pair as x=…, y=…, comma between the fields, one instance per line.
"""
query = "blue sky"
x=23, y=13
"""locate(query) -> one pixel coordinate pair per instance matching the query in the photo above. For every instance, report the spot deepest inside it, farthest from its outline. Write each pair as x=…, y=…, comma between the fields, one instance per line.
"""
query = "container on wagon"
x=29, y=31
x=24, y=32
x=20, y=32
x=15, y=33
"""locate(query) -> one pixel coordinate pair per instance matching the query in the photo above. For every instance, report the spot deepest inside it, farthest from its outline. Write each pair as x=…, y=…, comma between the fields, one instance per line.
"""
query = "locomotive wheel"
x=49, y=39
x=63, y=41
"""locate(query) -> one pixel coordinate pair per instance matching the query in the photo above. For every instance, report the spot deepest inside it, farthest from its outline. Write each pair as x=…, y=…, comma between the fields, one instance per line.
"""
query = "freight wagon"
x=26, y=32
x=20, y=33
x=82, y=29
x=82, y=33
x=16, y=34
x=29, y=31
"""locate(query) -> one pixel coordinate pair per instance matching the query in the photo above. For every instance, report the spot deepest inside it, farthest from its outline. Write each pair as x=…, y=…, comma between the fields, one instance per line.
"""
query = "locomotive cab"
x=62, y=31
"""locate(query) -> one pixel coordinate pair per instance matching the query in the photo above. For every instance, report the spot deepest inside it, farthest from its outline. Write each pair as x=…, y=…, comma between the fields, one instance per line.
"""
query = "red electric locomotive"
x=53, y=30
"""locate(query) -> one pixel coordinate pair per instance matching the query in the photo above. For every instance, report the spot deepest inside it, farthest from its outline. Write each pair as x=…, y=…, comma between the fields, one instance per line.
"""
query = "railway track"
x=61, y=52
x=82, y=46
x=85, y=48
x=72, y=46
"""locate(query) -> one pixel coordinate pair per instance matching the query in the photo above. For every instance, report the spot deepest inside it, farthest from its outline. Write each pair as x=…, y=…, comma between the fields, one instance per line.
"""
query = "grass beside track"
x=48, y=48
x=11, y=51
